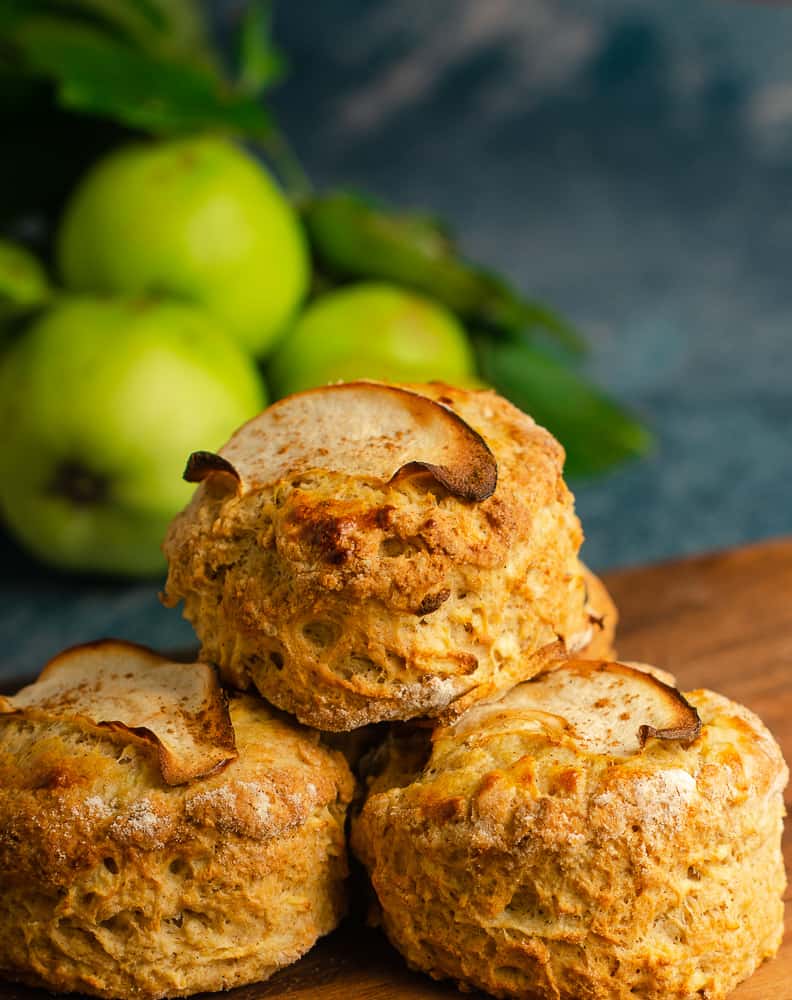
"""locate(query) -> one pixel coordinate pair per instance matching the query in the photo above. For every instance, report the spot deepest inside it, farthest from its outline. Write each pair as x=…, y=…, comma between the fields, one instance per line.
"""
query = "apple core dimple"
x=79, y=484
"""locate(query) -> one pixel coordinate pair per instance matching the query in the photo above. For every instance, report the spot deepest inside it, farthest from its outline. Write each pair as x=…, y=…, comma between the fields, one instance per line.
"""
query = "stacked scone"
x=157, y=836
x=365, y=552
x=542, y=822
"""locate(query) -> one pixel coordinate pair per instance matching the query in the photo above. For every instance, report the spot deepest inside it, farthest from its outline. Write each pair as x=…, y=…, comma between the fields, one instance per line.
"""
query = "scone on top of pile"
x=591, y=833
x=156, y=837
x=365, y=552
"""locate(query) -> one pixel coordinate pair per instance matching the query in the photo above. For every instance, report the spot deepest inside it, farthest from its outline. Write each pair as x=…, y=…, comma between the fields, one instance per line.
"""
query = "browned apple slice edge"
x=177, y=709
x=682, y=722
x=605, y=707
x=360, y=428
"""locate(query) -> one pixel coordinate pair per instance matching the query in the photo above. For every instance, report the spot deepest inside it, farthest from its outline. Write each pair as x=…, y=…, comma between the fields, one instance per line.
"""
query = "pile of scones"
x=402, y=653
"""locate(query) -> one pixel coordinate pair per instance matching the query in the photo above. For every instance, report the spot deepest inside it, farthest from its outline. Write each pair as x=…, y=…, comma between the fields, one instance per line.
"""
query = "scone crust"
x=347, y=601
x=115, y=884
x=519, y=865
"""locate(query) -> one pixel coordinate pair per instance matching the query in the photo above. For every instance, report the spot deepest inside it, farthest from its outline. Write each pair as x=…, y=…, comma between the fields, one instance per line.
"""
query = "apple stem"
x=79, y=484
x=279, y=151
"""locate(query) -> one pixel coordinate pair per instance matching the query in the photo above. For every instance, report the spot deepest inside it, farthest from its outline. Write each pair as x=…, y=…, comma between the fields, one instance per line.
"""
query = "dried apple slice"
x=177, y=708
x=605, y=708
x=360, y=428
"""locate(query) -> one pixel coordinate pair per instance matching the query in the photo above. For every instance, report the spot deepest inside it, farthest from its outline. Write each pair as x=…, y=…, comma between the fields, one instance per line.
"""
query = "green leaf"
x=173, y=27
x=130, y=20
x=595, y=430
x=98, y=75
x=260, y=63
x=137, y=15
x=353, y=238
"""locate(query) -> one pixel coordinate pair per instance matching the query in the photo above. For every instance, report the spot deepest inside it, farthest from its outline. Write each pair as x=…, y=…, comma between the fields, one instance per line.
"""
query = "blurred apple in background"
x=194, y=218
x=23, y=282
x=213, y=264
x=371, y=330
x=101, y=402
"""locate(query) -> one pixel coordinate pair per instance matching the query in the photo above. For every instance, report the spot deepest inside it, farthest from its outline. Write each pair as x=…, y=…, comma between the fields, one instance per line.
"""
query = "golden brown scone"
x=537, y=849
x=118, y=884
x=603, y=619
x=367, y=576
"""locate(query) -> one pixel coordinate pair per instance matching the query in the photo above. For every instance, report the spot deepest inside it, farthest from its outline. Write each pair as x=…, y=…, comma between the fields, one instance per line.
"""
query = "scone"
x=365, y=552
x=591, y=834
x=155, y=840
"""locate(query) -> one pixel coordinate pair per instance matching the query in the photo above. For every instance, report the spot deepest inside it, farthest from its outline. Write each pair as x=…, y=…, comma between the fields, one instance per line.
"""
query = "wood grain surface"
x=722, y=621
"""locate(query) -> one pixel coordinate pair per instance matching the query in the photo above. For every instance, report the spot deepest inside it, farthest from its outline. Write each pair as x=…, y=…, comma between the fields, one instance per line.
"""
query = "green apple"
x=371, y=330
x=195, y=218
x=101, y=402
x=23, y=282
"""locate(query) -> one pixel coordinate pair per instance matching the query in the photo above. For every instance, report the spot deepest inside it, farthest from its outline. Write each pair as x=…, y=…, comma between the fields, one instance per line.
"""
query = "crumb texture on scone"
x=345, y=598
x=116, y=884
x=531, y=856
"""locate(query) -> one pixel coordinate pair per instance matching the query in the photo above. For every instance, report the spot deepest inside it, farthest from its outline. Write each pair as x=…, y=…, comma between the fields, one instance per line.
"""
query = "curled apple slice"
x=605, y=708
x=177, y=708
x=359, y=428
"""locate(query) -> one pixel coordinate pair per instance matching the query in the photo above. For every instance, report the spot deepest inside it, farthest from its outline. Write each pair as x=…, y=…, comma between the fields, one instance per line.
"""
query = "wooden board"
x=722, y=621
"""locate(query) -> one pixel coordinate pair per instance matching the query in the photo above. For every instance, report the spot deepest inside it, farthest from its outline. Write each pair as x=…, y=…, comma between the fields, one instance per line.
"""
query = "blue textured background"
x=629, y=161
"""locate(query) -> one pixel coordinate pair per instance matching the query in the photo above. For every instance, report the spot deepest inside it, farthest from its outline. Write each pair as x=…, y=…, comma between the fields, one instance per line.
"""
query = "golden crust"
x=516, y=859
x=345, y=599
x=116, y=884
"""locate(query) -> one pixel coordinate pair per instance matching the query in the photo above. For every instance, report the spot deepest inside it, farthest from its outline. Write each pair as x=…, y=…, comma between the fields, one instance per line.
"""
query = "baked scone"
x=584, y=836
x=365, y=552
x=151, y=846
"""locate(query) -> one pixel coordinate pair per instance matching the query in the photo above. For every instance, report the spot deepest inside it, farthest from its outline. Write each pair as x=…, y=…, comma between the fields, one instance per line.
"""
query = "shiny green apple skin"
x=371, y=330
x=195, y=218
x=101, y=402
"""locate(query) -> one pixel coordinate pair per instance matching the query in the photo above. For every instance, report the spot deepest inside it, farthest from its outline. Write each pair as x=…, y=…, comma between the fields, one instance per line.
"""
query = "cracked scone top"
x=590, y=834
x=366, y=552
x=145, y=860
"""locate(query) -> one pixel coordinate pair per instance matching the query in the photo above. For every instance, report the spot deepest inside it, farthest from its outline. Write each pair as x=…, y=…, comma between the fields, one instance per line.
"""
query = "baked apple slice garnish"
x=178, y=709
x=605, y=708
x=365, y=429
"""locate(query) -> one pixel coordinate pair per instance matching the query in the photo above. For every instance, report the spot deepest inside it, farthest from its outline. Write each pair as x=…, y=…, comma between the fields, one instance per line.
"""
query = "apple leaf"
x=137, y=21
x=149, y=12
x=352, y=238
x=260, y=63
x=99, y=75
x=134, y=16
x=594, y=429
x=174, y=26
